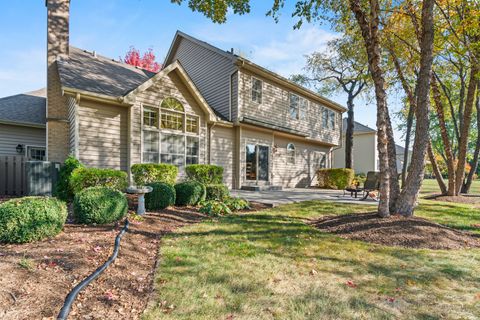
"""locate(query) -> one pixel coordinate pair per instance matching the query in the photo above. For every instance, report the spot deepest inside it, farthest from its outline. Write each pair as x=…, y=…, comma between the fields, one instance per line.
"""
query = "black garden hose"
x=67, y=305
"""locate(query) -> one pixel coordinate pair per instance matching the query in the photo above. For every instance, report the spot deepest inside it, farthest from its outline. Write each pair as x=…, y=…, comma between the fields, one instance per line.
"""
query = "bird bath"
x=140, y=191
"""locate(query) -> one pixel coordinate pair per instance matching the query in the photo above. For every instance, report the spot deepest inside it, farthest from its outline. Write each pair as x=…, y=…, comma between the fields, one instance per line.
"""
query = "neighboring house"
x=205, y=106
x=365, y=155
x=22, y=125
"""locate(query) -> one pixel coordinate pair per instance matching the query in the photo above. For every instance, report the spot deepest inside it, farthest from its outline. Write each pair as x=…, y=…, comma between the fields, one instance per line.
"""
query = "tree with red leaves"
x=147, y=61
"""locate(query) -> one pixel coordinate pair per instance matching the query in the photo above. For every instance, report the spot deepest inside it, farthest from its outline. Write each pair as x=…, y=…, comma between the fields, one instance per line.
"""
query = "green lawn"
x=271, y=265
x=430, y=186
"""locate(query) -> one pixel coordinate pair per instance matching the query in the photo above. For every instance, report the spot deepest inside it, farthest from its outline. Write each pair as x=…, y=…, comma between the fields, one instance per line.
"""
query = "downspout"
x=210, y=143
x=341, y=143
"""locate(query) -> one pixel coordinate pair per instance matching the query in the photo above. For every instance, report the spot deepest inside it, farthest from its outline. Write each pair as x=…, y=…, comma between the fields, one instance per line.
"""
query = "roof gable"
x=174, y=67
x=358, y=127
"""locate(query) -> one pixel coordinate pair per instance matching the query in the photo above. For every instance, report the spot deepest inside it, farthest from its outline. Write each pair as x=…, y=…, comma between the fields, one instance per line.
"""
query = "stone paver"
x=286, y=196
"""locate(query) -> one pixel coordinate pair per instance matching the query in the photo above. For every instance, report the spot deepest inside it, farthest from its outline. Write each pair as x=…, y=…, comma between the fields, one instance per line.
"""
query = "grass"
x=271, y=265
x=430, y=186
x=26, y=264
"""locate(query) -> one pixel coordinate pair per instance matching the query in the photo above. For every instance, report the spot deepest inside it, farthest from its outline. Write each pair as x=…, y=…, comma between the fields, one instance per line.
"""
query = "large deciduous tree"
x=146, y=61
x=341, y=67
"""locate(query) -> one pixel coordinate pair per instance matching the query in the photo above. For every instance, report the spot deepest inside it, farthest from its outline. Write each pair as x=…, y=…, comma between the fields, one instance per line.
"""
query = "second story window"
x=298, y=107
x=172, y=114
x=257, y=90
x=328, y=119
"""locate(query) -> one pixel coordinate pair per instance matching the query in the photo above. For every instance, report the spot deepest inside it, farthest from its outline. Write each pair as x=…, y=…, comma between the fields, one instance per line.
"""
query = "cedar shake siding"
x=211, y=73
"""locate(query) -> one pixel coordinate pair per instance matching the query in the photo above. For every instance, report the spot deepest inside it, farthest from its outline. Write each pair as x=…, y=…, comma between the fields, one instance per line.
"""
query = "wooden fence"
x=13, y=180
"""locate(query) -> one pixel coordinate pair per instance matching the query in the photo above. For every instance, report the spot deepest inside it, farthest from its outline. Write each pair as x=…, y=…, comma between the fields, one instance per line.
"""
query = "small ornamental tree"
x=147, y=61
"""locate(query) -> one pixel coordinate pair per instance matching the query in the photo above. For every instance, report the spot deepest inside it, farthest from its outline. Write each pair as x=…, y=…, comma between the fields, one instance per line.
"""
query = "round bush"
x=217, y=191
x=99, y=205
x=189, y=193
x=31, y=218
x=162, y=196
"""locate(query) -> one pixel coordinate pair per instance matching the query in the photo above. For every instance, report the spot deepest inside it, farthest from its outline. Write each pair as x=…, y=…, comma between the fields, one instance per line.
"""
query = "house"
x=365, y=155
x=22, y=125
x=205, y=106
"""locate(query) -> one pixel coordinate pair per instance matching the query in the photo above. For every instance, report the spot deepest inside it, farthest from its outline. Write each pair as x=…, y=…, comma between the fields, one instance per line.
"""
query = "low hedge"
x=205, y=173
x=335, y=178
x=189, y=193
x=162, y=196
x=63, y=190
x=99, y=205
x=83, y=178
x=31, y=218
x=145, y=173
x=217, y=192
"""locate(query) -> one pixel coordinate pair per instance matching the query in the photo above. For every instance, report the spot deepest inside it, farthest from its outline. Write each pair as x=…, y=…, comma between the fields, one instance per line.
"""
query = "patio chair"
x=372, y=183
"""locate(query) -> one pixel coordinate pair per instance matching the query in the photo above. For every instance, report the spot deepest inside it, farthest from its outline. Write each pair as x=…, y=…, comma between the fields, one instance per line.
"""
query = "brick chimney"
x=58, y=14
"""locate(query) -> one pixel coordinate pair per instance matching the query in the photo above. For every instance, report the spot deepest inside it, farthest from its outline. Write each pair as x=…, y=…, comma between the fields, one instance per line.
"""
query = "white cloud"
x=286, y=55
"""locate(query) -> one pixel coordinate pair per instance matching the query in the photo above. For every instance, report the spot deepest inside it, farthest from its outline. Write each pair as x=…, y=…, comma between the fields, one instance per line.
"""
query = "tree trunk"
x=408, y=197
x=450, y=160
x=369, y=30
x=392, y=165
x=474, y=165
x=349, y=134
x=465, y=127
x=436, y=169
x=407, y=142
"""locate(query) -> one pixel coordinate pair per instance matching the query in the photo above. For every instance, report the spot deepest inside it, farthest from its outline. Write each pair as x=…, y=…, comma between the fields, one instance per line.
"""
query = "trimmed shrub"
x=205, y=173
x=145, y=173
x=162, y=196
x=217, y=192
x=99, y=205
x=214, y=208
x=335, y=178
x=189, y=193
x=63, y=190
x=236, y=204
x=31, y=218
x=83, y=178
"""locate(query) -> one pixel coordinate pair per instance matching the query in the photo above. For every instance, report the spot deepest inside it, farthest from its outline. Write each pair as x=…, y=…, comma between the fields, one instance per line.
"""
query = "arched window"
x=171, y=114
x=172, y=104
x=291, y=153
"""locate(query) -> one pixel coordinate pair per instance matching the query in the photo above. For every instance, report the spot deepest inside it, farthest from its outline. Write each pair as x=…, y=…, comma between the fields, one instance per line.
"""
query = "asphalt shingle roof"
x=84, y=71
x=27, y=108
x=357, y=127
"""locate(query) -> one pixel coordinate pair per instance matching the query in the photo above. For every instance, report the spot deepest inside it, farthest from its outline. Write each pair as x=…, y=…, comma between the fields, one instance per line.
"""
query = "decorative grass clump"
x=189, y=193
x=31, y=218
x=99, y=205
x=162, y=196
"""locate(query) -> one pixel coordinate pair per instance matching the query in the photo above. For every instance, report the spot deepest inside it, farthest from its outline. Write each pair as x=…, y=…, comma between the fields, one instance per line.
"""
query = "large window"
x=328, y=119
x=291, y=153
x=257, y=90
x=170, y=135
x=298, y=107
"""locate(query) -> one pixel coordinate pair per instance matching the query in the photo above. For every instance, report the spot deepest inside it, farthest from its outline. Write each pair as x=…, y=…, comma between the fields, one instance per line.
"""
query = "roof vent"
x=94, y=53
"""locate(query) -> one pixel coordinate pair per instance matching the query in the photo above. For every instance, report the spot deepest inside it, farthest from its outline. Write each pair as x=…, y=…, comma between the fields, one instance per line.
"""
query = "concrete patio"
x=275, y=198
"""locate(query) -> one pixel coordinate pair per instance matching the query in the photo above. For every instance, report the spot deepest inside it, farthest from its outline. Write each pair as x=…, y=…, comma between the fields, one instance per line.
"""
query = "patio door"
x=257, y=162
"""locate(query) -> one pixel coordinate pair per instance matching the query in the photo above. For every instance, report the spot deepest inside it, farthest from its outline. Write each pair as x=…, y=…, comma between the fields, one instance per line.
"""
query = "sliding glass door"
x=257, y=158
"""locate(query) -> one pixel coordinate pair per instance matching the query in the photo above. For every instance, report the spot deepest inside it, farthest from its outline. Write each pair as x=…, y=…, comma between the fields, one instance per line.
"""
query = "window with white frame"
x=291, y=153
x=170, y=135
x=36, y=153
x=257, y=88
x=298, y=107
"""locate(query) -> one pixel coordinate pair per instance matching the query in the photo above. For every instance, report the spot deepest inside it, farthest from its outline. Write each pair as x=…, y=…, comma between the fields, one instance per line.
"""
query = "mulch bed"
x=412, y=232
x=469, y=199
x=58, y=264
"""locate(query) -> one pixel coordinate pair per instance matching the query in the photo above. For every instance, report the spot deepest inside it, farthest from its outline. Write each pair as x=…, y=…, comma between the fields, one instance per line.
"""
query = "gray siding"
x=11, y=136
x=209, y=71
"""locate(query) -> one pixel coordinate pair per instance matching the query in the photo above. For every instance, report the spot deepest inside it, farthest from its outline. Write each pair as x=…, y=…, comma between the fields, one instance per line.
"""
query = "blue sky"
x=111, y=26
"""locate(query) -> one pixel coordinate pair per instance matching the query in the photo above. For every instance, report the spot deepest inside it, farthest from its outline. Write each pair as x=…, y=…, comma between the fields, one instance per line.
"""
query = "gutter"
x=95, y=96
